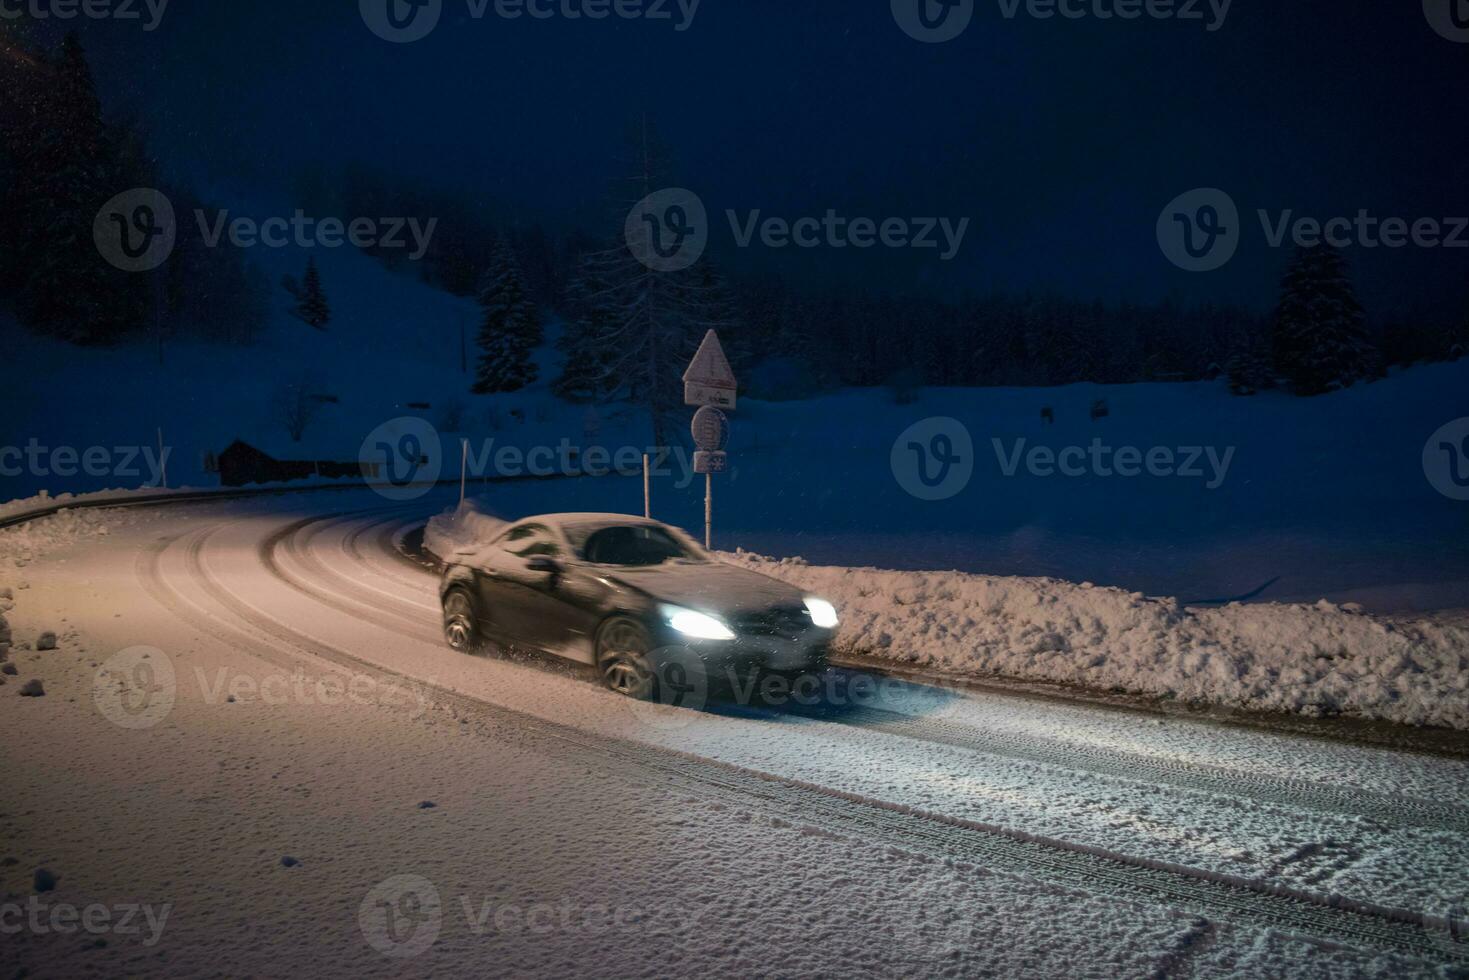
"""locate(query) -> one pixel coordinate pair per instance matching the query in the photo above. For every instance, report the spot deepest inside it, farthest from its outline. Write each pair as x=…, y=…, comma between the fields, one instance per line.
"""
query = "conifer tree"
x=510, y=330
x=66, y=164
x=311, y=306
x=1248, y=368
x=639, y=327
x=1319, y=333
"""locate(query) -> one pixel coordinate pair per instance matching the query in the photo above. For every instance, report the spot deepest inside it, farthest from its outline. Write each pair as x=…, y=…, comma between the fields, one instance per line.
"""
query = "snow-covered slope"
x=1322, y=497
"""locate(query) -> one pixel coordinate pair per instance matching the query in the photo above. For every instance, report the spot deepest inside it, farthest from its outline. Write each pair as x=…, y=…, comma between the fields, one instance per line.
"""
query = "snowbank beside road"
x=44, y=501
x=1310, y=659
x=20, y=546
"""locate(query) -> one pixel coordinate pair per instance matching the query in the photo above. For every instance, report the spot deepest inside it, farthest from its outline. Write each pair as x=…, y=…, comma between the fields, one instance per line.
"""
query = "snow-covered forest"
x=627, y=330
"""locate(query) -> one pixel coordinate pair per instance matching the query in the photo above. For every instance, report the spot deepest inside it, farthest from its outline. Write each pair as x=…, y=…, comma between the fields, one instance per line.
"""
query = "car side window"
x=530, y=540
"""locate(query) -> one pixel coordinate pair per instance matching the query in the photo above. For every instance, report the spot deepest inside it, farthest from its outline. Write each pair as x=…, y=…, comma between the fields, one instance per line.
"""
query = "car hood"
x=713, y=587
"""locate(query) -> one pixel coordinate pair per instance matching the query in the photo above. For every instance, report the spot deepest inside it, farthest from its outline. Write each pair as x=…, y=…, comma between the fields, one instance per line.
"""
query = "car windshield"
x=630, y=544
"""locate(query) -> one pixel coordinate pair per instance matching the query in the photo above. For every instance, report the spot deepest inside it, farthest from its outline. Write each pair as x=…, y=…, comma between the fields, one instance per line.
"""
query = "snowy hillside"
x=1322, y=497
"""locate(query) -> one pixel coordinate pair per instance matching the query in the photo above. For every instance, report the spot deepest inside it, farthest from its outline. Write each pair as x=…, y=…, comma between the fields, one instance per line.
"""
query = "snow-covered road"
x=302, y=704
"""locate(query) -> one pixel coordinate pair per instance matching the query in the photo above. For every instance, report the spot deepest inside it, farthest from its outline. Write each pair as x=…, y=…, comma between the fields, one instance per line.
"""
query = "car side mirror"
x=543, y=563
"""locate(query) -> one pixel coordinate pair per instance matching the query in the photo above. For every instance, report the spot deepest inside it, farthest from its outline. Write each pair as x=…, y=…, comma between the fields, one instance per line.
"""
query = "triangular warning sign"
x=710, y=368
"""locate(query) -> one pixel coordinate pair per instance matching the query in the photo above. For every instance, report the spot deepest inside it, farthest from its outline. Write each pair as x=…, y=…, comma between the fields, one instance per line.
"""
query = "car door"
x=520, y=600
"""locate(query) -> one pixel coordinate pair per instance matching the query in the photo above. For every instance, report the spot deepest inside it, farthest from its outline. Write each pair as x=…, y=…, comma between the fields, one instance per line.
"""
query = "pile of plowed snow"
x=1317, y=659
x=19, y=546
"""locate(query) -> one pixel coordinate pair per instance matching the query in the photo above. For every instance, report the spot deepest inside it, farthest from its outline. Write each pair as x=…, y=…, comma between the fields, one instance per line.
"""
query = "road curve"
x=346, y=566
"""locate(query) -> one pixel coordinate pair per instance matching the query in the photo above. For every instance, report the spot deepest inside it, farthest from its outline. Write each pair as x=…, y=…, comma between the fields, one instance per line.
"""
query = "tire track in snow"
x=148, y=570
x=1200, y=777
x=1097, y=870
x=1178, y=962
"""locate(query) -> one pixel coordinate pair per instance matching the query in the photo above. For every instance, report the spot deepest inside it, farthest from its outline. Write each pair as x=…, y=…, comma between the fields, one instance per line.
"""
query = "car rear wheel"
x=461, y=630
x=622, y=659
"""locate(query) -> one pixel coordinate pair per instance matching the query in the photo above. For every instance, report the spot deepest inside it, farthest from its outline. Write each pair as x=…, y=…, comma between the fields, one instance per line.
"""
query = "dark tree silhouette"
x=311, y=306
x=510, y=330
x=1319, y=332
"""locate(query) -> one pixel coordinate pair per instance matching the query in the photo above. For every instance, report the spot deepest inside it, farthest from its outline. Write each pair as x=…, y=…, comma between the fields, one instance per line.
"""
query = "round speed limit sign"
x=711, y=430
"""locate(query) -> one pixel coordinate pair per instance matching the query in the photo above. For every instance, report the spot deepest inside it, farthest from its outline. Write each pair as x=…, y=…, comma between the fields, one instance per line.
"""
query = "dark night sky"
x=1061, y=140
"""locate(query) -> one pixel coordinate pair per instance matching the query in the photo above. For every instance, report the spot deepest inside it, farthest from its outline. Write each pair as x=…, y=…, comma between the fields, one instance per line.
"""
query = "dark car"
x=631, y=597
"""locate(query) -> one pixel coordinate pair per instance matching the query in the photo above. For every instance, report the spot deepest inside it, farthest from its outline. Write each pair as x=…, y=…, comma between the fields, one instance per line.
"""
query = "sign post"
x=710, y=383
x=647, y=490
x=463, y=469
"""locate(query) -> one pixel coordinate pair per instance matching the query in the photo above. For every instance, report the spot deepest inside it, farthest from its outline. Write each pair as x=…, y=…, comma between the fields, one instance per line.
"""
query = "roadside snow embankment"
x=1316, y=660
x=45, y=501
x=22, y=545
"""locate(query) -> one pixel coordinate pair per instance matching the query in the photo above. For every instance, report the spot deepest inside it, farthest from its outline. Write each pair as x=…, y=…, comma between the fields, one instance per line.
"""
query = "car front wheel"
x=461, y=631
x=622, y=659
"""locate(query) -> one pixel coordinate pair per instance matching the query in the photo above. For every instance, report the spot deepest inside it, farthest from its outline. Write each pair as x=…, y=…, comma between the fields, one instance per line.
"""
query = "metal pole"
x=647, y=491
x=162, y=459
x=158, y=294
x=463, y=468
x=709, y=511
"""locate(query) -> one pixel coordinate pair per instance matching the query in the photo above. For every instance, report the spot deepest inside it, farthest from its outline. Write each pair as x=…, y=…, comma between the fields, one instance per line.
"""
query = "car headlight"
x=823, y=613
x=700, y=626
